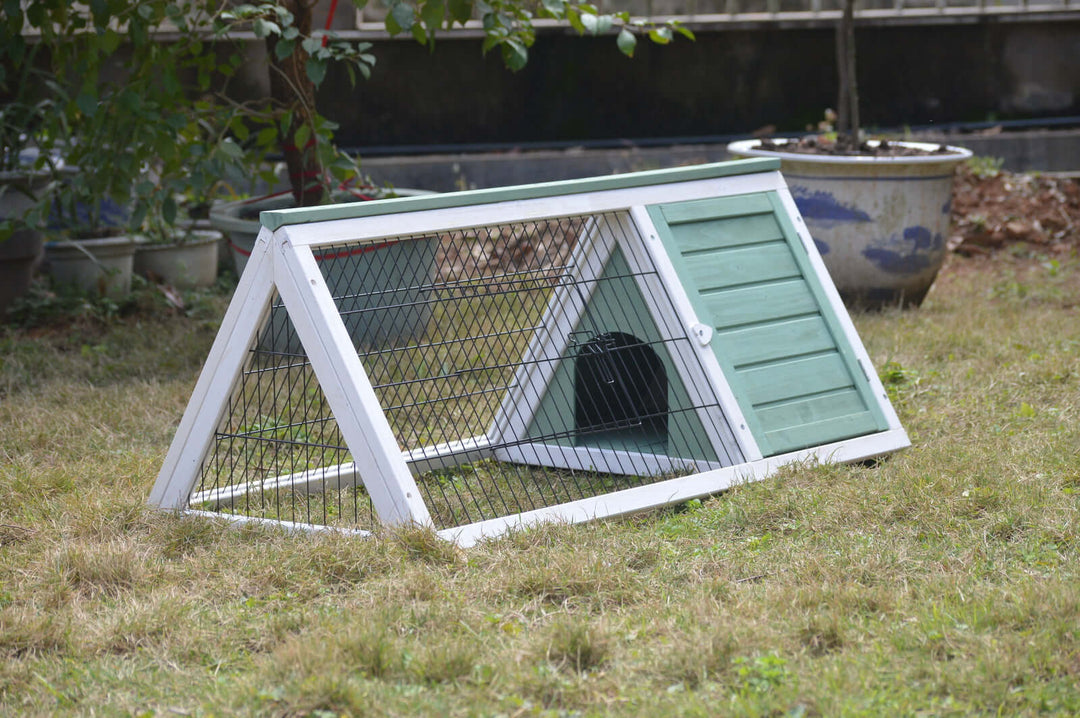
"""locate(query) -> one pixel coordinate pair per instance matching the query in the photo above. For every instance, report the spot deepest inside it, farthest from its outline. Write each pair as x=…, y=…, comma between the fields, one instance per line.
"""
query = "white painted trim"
x=345, y=385
x=382, y=227
x=247, y=311
x=452, y=453
x=345, y=475
x=706, y=356
x=338, y=476
x=678, y=490
x=594, y=458
x=290, y=526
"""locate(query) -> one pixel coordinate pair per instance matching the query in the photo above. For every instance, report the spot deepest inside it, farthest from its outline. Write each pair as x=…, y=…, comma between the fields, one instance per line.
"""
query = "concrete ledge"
x=1040, y=150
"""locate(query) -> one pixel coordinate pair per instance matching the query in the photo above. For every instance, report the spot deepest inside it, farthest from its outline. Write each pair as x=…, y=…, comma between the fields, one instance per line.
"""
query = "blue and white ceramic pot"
x=880, y=222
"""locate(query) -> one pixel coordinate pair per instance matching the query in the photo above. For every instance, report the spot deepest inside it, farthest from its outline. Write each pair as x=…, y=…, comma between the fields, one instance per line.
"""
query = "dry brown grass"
x=939, y=582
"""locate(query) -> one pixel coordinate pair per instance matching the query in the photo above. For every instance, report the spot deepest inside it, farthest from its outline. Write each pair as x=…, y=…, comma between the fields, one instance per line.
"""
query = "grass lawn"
x=943, y=581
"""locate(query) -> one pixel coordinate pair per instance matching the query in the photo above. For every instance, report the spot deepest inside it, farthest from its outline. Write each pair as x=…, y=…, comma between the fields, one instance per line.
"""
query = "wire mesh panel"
x=519, y=366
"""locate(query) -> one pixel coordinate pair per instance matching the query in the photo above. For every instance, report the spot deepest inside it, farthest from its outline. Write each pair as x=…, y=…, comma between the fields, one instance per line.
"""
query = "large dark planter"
x=19, y=257
x=21, y=253
x=380, y=289
x=880, y=223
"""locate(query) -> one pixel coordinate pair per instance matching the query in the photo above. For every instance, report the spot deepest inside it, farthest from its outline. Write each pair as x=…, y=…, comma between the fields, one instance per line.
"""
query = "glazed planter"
x=880, y=223
x=186, y=264
x=381, y=288
x=21, y=253
x=93, y=266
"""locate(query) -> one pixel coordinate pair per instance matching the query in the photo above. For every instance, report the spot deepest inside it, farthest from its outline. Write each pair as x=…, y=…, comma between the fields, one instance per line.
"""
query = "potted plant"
x=119, y=95
x=878, y=210
x=178, y=246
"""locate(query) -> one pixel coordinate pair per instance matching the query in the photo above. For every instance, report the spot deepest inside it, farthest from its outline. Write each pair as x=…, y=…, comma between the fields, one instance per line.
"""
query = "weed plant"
x=939, y=581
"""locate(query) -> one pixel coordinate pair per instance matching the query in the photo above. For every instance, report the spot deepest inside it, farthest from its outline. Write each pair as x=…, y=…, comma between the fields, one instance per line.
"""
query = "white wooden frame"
x=283, y=261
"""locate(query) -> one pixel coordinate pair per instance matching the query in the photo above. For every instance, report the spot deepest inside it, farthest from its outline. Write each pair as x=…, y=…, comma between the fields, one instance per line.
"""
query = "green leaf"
x=263, y=28
x=684, y=31
x=87, y=103
x=432, y=13
x=555, y=8
x=626, y=42
x=231, y=150
x=461, y=10
x=312, y=45
x=100, y=10
x=316, y=70
x=168, y=210
x=239, y=129
x=266, y=137
x=403, y=15
x=303, y=134
x=573, y=16
x=138, y=214
x=110, y=41
x=515, y=55
x=283, y=48
x=661, y=35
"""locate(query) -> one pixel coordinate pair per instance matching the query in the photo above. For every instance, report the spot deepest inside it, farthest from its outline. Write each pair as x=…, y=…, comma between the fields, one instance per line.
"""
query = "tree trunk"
x=292, y=90
x=847, y=110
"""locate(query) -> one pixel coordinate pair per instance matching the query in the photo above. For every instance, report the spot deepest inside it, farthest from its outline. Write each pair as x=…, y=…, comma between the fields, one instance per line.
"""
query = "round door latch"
x=703, y=333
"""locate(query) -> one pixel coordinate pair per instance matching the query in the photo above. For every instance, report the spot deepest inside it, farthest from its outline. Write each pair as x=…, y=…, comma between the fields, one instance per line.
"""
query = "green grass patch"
x=939, y=581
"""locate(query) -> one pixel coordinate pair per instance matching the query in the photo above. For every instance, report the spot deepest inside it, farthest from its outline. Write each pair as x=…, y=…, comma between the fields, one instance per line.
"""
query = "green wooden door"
x=777, y=338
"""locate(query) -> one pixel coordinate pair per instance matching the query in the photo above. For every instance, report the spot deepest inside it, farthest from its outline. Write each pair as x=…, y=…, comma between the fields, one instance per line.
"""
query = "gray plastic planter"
x=880, y=223
x=186, y=265
x=96, y=266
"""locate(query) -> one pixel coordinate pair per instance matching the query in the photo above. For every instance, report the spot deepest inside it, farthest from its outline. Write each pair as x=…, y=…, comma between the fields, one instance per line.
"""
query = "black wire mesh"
x=457, y=332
